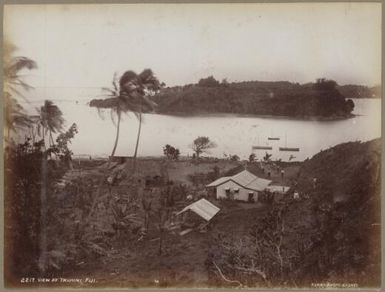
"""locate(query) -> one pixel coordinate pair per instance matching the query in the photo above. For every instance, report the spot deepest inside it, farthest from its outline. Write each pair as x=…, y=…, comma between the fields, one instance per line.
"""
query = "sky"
x=82, y=46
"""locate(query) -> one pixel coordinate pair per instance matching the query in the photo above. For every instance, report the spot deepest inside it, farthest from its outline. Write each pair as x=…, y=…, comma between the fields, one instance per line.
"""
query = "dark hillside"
x=331, y=234
x=345, y=202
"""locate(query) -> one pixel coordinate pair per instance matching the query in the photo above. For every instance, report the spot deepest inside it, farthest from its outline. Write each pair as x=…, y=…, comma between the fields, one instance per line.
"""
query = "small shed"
x=197, y=216
x=203, y=208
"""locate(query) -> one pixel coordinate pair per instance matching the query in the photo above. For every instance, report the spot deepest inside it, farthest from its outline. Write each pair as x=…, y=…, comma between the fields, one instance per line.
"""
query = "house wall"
x=242, y=195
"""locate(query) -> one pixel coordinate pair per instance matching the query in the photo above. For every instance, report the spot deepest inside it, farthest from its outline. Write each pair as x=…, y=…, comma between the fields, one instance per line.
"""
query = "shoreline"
x=182, y=159
x=240, y=115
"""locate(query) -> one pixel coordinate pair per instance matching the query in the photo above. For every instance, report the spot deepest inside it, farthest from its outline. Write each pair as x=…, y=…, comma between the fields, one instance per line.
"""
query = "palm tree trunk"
x=137, y=141
x=45, y=138
x=33, y=135
x=116, y=138
x=43, y=212
x=50, y=138
x=106, y=169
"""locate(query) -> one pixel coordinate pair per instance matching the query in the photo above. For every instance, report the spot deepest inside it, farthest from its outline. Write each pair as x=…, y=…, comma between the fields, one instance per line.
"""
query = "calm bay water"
x=232, y=134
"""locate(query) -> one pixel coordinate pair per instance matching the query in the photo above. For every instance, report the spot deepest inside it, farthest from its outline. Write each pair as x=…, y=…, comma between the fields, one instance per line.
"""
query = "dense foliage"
x=23, y=185
x=61, y=149
x=322, y=99
x=171, y=152
x=331, y=233
x=201, y=145
x=208, y=82
x=360, y=91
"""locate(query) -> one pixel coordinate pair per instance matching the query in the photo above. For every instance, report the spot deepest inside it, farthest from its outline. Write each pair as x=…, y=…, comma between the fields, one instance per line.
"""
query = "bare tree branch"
x=225, y=279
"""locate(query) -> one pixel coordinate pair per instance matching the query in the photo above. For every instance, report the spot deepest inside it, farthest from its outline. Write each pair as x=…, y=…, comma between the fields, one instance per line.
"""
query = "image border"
x=31, y=2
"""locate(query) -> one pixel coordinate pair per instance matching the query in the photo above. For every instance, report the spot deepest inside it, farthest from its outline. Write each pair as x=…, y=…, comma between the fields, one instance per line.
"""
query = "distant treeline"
x=321, y=99
x=360, y=91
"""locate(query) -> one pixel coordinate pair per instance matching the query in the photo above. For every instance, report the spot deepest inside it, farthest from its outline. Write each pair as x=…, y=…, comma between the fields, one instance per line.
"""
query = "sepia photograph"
x=231, y=145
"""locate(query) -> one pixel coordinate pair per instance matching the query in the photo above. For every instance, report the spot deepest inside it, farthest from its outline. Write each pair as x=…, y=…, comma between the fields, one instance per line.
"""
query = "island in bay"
x=322, y=99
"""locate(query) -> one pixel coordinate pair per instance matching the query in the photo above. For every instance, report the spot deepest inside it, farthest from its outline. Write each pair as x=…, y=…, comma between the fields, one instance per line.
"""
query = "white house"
x=243, y=186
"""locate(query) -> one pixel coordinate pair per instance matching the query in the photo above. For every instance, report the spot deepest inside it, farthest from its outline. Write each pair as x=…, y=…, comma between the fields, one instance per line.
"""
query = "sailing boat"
x=272, y=138
x=288, y=148
x=260, y=147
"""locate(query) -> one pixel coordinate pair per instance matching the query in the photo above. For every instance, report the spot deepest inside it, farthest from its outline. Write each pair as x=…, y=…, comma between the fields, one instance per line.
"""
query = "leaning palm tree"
x=51, y=120
x=14, y=85
x=13, y=79
x=12, y=68
x=128, y=94
x=116, y=105
x=147, y=84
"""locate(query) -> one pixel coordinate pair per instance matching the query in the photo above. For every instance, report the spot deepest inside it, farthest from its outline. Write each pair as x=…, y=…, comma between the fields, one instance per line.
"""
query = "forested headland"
x=323, y=99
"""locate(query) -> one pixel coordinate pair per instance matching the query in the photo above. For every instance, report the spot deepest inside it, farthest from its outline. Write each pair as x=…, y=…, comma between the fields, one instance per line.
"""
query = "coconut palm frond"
x=16, y=65
x=145, y=75
x=12, y=66
x=129, y=95
x=115, y=81
x=23, y=119
x=149, y=81
x=128, y=76
x=12, y=104
x=21, y=122
x=12, y=78
x=100, y=113
x=51, y=117
x=15, y=116
x=135, y=113
x=12, y=89
x=128, y=105
x=149, y=102
x=56, y=124
x=21, y=83
x=110, y=91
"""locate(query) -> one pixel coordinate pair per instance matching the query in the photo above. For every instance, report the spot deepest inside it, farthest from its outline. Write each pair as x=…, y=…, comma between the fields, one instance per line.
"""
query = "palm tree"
x=13, y=66
x=116, y=105
x=13, y=86
x=151, y=85
x=51, y=120
x=129, y=94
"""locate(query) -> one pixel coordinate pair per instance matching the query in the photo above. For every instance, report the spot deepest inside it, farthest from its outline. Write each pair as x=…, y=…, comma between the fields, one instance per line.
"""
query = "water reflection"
x=233, y=134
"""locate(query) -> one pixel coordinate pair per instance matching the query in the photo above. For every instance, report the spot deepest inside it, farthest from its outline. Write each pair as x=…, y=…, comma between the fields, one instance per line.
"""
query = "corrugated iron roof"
x=244, y=178
x=218, y=181
x=203, y=208
x=259, y=184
